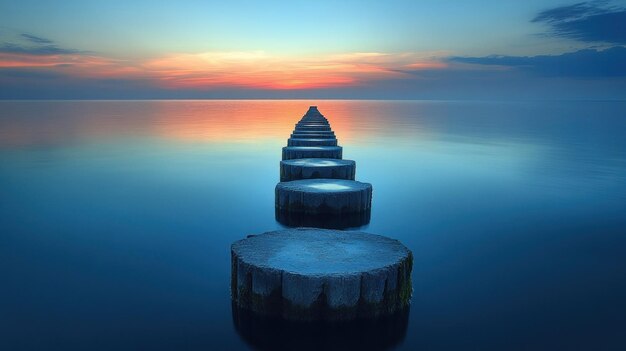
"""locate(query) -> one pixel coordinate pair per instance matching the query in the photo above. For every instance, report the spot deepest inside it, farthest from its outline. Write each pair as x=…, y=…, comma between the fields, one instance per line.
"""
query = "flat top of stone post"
x=318, y=162
x=313, y=111
x=324, y=185
x=313, y=251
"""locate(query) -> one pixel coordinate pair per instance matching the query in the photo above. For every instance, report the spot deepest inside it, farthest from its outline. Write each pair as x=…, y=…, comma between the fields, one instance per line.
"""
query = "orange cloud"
x=261, y=70
x=256, y=69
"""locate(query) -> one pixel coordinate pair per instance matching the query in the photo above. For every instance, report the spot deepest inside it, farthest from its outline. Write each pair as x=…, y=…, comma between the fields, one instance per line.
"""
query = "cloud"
x=28, y=44
x=70, y=64
x=40, y=69
x=35, y=50
x=582, y=63
x=592, y=21
x=262, y=70
x=35, y=39
x=210, y=70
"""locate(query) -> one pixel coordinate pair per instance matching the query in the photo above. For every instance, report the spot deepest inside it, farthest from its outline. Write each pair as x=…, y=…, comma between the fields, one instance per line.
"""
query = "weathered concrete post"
x=319, y=274
x=314, y=196
x=312, y=168
x=293, y=152
x=312, y=273
x=311, y=142
x=381, y=333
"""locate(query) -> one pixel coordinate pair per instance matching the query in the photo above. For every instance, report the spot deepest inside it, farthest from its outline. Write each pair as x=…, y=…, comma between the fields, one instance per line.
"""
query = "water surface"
x=116, y=218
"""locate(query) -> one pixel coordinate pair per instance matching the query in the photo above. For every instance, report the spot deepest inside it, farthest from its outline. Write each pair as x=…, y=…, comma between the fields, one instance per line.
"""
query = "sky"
x=313, y=49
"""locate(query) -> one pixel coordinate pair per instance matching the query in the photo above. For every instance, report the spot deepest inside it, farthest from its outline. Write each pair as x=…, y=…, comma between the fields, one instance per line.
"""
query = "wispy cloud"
x=263, y=70
x=37, y=66
x=582, y=63
x=35, y=50
x=29, y=44
x=593, y=21
x=251, y=70
x=36, y=39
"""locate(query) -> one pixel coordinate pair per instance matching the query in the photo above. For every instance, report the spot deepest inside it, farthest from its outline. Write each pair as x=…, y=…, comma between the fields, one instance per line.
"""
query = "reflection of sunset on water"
x=251, y=120
x=189, y=121
x=198, y=121
x=228, y=121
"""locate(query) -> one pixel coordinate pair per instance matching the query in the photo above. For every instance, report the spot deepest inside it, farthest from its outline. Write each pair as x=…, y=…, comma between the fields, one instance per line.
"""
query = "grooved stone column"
x=315, y=196
x=311, y=142
x=327, y=132
x=302, y=125
x=314, y=128
x=310, y=168
x=297, y=135
x=292, y=152
x=319, y=274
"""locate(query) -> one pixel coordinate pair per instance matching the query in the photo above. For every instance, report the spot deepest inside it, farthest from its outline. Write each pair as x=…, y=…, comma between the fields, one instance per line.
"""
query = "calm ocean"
x=116, y=219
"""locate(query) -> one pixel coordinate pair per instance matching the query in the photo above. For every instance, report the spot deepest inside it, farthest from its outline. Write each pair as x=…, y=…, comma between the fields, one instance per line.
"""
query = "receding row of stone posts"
x=315, y=179
x=314, y=273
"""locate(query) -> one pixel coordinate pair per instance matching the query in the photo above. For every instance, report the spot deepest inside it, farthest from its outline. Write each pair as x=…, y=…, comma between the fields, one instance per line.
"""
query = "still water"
x=116, y=219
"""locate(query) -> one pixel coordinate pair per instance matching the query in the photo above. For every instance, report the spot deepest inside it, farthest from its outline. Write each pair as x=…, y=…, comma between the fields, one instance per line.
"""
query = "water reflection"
x=326, y=221
x=22, y=123
x=264, y=333
x=125, y=211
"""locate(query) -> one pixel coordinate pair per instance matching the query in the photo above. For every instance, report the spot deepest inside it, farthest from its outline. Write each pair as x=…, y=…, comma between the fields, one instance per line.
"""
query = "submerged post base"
x=324, y=220
x=374, y=334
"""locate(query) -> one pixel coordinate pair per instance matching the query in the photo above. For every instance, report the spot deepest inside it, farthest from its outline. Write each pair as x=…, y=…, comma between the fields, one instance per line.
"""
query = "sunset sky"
x=313, y=49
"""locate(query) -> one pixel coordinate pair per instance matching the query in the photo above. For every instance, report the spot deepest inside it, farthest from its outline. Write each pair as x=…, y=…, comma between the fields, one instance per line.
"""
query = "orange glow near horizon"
x=257, y=122
x=223, y=70
x=195, y=121
x=263, y=71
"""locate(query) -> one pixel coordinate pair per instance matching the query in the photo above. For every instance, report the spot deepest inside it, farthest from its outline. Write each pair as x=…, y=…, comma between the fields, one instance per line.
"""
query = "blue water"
x=116, y=219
